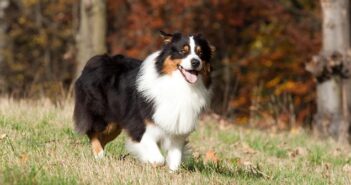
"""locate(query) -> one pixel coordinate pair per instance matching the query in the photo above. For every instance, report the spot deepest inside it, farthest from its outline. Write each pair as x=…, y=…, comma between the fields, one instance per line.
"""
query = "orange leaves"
x=213, y=163
x=262, y=44
x=274, y=82
x=272, y=69
x=292, y=87
x=239, y=101
x=157, y=23
x=157, y=3
x=24, y=158
x=29, y=3
x=211, y=156
x=299, y=151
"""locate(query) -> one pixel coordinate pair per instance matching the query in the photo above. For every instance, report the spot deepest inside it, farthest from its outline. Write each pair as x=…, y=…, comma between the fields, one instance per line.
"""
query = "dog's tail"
x=89, y=100
x=81, y=116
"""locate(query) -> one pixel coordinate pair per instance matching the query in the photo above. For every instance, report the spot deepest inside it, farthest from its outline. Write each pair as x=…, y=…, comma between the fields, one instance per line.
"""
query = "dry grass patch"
x=40, y=147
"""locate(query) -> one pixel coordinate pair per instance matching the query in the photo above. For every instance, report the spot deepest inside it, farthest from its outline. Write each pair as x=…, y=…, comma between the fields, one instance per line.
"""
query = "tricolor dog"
x=156, y=101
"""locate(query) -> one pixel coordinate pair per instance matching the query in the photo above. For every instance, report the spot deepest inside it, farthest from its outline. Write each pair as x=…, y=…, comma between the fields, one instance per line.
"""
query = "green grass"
x=38, y=146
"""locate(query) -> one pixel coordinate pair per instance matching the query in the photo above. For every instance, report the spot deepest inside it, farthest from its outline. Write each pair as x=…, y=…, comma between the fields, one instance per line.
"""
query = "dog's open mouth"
x=189, y=75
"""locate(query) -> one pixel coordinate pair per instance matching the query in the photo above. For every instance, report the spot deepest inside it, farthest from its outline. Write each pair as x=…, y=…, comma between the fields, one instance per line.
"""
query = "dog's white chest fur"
x=177, y=103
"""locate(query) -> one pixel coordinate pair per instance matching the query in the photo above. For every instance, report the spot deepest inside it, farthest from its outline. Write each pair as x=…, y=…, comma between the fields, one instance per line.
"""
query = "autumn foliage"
x=261, y=49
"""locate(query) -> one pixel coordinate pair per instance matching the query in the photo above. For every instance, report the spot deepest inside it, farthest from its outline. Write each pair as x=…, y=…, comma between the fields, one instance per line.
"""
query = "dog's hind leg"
x=99, y=140
x=96, y=145
x=111, y=131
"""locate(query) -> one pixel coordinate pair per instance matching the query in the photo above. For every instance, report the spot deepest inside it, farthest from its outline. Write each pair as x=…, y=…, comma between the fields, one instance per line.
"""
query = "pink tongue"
x=190, y=77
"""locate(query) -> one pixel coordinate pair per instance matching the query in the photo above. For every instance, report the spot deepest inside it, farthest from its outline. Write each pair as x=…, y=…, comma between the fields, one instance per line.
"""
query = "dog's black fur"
x=106, y=92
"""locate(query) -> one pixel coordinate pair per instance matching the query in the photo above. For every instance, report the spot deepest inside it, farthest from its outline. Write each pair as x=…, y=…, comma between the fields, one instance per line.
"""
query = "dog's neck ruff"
x=177, y=102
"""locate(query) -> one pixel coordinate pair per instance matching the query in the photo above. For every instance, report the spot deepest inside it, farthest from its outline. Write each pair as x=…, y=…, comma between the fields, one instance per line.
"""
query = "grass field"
x=38, y=146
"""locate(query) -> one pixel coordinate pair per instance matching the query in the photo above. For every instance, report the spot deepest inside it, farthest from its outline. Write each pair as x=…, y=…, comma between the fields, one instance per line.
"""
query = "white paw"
x=173, y=167
x=156, y=160
x=174, y=159
x=100, y=155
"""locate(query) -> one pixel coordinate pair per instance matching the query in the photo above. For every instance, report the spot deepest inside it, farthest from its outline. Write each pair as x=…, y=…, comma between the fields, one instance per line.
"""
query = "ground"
x=39, y=146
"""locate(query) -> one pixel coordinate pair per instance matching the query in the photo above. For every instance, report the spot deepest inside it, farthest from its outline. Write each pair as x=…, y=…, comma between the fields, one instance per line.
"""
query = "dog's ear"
x=200, y=36
x=167, y=37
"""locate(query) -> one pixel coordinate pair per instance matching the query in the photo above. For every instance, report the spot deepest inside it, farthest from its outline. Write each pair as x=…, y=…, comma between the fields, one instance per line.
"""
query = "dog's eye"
x=198, y=50
x=185, y=49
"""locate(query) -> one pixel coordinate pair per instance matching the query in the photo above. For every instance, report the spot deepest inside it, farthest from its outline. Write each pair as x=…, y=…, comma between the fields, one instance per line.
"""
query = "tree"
x=92, y=32
x=331, y=68
x=3, y=5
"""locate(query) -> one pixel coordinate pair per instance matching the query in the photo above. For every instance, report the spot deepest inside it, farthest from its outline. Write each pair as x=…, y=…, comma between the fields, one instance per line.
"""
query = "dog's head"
x=188, y=55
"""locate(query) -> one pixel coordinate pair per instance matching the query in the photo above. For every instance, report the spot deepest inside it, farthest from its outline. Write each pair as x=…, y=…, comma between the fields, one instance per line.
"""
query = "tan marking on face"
x=198, y=50
x=170, y=65
x=185, y=49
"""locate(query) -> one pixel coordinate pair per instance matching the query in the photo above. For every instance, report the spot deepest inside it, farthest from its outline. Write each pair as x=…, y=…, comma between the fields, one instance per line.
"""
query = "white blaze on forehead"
x=192, y=45
x=186, y=62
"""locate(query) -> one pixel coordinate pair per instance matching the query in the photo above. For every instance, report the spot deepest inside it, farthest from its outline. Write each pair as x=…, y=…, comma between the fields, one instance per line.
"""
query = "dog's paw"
x=176, y=171
x=173, y=167
x=100, y=155
x=157, y=161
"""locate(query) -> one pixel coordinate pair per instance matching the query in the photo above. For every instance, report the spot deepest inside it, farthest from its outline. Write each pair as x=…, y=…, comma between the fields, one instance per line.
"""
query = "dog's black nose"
x=195, y=63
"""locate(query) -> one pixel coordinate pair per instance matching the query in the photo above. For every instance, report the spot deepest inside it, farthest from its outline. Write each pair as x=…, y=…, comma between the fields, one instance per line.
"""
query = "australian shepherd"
x=156, y=101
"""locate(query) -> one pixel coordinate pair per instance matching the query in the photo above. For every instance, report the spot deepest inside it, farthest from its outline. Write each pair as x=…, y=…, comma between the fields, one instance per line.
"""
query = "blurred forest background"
x=259, y=66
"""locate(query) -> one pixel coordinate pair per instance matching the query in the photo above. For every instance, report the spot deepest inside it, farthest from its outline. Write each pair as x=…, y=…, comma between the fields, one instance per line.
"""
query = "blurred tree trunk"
x=331, y=69
x=91, y=39
x=3, y=5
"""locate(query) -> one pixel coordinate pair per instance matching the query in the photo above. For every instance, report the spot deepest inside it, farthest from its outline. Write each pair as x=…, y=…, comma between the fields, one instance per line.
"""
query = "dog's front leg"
x=175, y=152
x=147, y=149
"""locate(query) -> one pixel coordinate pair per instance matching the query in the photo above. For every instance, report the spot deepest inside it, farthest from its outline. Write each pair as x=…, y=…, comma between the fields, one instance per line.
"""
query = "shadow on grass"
x=224, y=168
x=198, y=165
